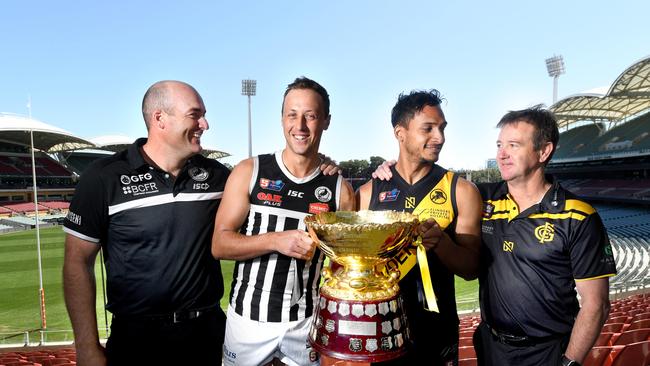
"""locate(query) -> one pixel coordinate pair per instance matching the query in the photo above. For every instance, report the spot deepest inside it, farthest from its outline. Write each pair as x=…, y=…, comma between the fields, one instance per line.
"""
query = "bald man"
x=151, y=208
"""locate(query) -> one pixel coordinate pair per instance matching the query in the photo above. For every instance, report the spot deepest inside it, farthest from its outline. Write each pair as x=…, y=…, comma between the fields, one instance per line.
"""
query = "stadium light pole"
x=248, y=88
x=41, y=290
x=555, y=68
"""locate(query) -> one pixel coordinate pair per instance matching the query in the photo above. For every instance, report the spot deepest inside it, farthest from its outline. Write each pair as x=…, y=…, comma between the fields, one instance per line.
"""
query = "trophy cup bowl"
x=359, y=315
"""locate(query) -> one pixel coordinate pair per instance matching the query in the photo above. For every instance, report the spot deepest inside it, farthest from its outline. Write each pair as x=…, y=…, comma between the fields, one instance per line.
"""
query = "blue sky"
x=86, y=64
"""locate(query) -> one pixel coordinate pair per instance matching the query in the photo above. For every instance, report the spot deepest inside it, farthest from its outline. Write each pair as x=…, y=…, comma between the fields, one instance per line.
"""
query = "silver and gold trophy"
x=360, y=315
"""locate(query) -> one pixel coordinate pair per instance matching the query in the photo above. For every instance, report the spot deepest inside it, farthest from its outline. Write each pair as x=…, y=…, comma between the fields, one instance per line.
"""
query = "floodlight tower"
x=555, y=68
x=248, y=88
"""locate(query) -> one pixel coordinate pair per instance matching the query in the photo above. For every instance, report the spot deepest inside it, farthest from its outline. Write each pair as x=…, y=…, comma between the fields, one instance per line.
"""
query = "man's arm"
x=79, y=291
x=228, y=243
x=461, y=256
x=593, y=312
x=363, y=196
x=348, y=200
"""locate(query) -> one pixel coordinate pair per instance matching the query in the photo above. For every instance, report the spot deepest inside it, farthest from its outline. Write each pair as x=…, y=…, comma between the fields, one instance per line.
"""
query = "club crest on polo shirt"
x=198, y=174
x=389, y=196
x=272, y=185
x=545, y=233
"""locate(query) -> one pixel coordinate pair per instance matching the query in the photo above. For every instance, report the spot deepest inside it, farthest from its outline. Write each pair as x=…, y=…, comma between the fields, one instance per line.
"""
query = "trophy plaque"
x=359, y=316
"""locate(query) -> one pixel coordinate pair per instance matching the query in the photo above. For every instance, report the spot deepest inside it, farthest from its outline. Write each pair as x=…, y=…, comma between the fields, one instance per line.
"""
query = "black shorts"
x=143, y=341
x=490, y=351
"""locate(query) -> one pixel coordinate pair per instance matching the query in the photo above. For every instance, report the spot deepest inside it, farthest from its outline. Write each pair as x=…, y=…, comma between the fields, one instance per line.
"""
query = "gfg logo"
x=126, y=179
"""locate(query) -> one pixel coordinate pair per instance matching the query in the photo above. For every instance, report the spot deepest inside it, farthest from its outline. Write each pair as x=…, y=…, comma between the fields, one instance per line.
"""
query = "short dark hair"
x=542, y=120
x=306, y=83
x=409, y=104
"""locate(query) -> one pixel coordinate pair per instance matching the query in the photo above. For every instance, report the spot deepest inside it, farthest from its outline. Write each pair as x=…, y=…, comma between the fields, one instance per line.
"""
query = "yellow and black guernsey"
x=433, y=196
x=531, y=260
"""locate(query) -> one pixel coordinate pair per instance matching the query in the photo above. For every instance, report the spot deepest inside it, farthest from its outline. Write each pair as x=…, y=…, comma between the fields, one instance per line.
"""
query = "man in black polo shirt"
x=151, y=208
x=541, y=243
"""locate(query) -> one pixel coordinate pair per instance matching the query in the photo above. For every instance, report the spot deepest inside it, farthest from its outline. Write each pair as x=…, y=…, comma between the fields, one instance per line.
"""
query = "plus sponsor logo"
x=270, y=199
x=272, y=185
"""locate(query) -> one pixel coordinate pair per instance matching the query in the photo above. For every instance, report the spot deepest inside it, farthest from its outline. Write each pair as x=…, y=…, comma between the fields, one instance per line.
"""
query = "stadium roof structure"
x=16, y=129
x=628, y=96
x=117, y=143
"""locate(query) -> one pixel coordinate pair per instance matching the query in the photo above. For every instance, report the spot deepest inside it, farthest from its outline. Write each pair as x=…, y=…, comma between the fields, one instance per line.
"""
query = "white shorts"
x=249, y=342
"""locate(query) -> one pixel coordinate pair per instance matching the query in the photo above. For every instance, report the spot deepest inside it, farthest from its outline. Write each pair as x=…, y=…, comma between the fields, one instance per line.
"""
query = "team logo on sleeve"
x=323, y=194
x=545, y=233
x=198, y=174
x=389, y=196
x=273, y=185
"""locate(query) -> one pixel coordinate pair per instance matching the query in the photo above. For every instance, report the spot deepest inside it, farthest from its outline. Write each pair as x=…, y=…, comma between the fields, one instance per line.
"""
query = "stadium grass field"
x=19, y=287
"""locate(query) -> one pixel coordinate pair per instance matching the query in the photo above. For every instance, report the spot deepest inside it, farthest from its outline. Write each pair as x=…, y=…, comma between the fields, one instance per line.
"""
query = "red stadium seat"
x=603, y=339
x=633, y=336
x=640, y=316
x=612, y=328
x=466, y=334
x=597, y=356
x=467, y=362
x=619, y=319
x=634, y=354
x=639, y=324
x=466, y=352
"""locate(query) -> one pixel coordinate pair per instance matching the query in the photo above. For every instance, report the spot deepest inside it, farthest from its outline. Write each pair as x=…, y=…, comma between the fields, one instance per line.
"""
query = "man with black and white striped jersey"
x=260, y=225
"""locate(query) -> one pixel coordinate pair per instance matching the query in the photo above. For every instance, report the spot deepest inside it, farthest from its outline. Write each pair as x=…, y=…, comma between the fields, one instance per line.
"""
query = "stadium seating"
x=574, y=141
x=46, y=357
x=634, y=354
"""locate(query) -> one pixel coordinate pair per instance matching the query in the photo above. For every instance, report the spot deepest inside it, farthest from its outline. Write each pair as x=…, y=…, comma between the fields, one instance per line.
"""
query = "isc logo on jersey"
x=389, y=196
x=273, y=185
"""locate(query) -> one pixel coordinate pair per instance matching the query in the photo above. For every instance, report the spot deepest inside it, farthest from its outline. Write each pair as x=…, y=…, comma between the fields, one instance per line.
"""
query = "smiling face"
x=185, y=121
x=517, y=157
x=303, y=121
x=424, y=135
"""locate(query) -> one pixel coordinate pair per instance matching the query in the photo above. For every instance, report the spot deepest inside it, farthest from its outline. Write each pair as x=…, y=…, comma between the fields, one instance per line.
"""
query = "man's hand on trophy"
x=430, y=233
x=296, y=244
x=383, y=171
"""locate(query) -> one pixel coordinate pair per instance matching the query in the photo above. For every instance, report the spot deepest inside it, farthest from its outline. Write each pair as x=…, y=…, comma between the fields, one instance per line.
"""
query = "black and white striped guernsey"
x=275, y=287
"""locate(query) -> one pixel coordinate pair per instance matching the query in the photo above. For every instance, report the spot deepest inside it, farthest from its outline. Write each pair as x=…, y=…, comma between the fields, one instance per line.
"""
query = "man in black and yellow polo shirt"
x=450, y=208
x=540, y=244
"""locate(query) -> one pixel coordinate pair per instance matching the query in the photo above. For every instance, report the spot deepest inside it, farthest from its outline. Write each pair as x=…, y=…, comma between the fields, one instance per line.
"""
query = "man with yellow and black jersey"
x=449, y=207
x=540, y=243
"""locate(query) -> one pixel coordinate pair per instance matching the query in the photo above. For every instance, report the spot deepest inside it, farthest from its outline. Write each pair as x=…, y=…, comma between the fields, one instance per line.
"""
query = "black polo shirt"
x=532, y=259
x=156, y=231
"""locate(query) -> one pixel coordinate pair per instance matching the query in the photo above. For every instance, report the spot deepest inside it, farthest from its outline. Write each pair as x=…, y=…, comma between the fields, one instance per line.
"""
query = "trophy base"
x=361, y=331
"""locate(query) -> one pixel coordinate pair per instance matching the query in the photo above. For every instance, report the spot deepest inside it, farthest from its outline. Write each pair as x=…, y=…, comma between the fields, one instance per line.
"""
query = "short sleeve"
x=590, y=250
x=88, y=214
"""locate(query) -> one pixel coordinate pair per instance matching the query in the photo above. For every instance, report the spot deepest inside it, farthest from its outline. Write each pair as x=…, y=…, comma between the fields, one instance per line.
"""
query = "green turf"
x=19, y=288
